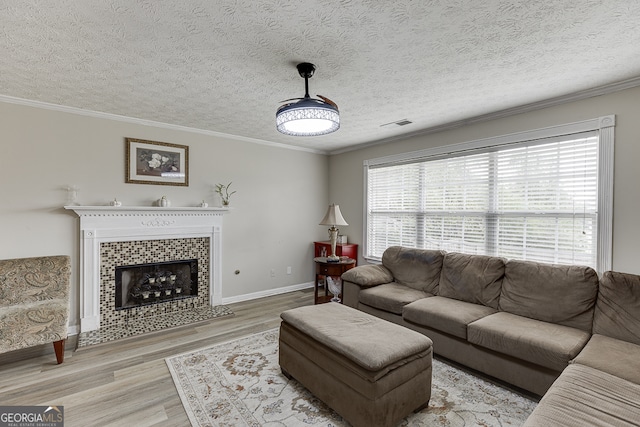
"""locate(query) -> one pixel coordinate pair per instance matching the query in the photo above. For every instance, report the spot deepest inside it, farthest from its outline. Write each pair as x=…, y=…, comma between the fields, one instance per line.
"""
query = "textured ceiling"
x=223, y=66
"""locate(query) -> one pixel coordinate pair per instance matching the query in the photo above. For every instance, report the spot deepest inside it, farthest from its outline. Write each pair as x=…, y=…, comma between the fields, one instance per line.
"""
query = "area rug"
x=239, y=383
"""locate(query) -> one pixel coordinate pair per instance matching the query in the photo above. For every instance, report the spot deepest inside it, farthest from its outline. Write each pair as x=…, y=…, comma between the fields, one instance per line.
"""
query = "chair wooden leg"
x=58, y=347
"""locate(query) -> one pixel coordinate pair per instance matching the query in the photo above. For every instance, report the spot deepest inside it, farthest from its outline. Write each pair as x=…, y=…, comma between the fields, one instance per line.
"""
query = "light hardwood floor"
x=127, y=382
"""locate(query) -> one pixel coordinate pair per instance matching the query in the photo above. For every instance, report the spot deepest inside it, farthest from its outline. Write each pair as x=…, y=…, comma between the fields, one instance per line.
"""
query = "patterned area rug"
x=239, y=383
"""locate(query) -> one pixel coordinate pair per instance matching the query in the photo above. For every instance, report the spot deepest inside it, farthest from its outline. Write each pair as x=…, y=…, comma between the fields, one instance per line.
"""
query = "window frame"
x=604, y=127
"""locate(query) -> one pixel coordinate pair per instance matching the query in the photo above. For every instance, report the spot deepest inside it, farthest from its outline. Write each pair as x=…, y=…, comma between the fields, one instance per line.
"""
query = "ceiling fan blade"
x=327, y=100
x=291, y=99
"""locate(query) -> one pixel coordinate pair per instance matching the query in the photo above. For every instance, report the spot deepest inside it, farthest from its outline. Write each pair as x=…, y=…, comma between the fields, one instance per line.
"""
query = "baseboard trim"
x=267, y=293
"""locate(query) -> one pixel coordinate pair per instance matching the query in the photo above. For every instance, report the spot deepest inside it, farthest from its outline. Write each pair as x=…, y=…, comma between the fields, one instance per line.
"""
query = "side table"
x=342, y=249
x=325, y=269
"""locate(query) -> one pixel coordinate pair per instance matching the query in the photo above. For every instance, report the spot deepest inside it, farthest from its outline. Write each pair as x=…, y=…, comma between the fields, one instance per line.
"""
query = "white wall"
x=346, y=171
x=281, y=196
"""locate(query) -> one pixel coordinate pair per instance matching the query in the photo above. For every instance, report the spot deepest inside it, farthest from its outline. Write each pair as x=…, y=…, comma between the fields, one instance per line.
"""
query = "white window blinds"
x=535, y=200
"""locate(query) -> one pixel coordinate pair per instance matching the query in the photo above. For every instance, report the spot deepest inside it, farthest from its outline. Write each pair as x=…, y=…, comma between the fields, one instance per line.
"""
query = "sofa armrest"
x=367, y=276
x=363, y=276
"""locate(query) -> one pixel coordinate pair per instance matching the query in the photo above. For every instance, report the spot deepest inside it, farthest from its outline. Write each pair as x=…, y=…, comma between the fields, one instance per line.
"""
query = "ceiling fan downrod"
x=306, y=70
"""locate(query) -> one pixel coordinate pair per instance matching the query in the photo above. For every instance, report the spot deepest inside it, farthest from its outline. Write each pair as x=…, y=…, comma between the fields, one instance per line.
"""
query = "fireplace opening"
x=154, y=283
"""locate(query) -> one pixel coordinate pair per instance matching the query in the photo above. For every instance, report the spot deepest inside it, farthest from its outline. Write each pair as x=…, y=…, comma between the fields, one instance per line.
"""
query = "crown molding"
x=151, y=123
x=559, y=100
x=551, y=102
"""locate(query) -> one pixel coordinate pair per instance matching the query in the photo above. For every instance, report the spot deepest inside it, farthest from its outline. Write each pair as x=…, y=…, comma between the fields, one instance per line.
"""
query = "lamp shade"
x=333, y=216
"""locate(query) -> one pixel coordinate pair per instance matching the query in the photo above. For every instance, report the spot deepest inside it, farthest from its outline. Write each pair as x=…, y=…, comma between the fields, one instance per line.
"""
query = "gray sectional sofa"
x=528, y=324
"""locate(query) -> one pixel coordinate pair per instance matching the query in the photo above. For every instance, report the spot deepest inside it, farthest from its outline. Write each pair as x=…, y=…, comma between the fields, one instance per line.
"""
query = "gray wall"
x=282, y=193
x=346, y=171
x=281, y=196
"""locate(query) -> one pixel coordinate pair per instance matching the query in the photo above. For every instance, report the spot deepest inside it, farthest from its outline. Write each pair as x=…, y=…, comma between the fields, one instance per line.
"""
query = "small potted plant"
x=223, y=191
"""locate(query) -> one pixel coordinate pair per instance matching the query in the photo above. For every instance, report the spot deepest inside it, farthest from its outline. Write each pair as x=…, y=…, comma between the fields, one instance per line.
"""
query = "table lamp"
x=333, y=218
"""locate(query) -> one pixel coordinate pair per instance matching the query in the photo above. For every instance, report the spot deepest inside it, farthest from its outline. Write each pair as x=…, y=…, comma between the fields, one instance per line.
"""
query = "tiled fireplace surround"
x=113, y=236
x=114, y=254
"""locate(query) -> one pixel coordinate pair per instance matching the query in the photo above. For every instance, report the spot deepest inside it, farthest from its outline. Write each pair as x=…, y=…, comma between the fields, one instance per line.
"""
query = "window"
x=542, y=196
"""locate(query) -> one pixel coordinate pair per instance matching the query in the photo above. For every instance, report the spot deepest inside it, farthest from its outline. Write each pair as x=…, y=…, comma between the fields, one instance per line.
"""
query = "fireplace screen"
x=144, y=284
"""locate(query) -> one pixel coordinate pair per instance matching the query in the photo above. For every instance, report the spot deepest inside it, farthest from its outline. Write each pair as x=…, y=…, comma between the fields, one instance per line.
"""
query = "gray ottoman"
x=370, y=371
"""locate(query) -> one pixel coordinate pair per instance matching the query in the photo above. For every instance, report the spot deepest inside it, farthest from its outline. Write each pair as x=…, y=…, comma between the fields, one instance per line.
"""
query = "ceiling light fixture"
x=308, y=116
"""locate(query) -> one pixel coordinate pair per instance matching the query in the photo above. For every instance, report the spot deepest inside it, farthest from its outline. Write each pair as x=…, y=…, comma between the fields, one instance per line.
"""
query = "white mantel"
x=100, y=224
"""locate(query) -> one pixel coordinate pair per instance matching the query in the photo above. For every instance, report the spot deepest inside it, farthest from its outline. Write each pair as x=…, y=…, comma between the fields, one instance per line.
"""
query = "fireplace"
x=145, y=254
x=155, y=283
x=127, y=236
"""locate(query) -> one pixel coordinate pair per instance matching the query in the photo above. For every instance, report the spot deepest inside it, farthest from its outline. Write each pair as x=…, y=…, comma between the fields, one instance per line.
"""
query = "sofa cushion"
x=472, y=278
x=617, y=312
x=619, y=358
x=545, y=344
x=26, y=280
x=562, y=294
x=415, y=268
x=583, y=396
x=444, y=314
x=368, y=275
x=391, y=297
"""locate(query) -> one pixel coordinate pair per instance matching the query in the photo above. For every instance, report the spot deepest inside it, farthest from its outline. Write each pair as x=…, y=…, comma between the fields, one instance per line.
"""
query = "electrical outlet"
x=273, y=272
x=288, y=270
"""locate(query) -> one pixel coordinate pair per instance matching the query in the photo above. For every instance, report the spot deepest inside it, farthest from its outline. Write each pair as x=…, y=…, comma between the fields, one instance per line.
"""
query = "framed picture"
x=152, y=162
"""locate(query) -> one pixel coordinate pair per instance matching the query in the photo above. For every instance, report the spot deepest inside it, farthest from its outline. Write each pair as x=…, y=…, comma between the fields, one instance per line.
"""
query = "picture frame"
x=158, y=163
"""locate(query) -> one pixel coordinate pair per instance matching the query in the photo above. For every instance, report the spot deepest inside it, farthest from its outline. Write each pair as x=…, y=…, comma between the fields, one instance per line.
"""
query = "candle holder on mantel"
x=72, y=195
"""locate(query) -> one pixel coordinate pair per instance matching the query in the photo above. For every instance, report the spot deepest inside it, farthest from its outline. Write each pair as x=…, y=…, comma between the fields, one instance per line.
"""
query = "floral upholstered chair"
x=34, y=303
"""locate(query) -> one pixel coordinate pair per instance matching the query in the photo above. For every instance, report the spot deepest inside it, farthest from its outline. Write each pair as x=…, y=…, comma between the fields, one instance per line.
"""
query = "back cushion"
x=472, y=278
x=561, y=294
x=29, y=280
x=617, y=312
x=416, y=268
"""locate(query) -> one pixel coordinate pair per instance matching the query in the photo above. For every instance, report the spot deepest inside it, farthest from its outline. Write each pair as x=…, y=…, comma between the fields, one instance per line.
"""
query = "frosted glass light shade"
x=307, y=117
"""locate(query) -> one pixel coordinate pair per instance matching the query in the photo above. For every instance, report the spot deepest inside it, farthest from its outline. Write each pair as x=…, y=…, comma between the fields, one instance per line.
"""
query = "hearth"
x=155, y=283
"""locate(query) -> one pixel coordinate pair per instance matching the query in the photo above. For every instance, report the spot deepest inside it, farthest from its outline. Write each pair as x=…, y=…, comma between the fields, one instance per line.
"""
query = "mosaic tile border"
x=114, y=254
x=154, y=323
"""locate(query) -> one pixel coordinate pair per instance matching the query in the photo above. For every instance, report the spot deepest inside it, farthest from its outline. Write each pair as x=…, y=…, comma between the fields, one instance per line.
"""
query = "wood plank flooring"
x=127, y=382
